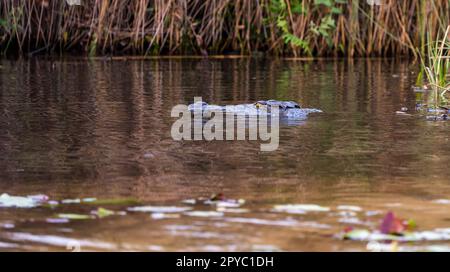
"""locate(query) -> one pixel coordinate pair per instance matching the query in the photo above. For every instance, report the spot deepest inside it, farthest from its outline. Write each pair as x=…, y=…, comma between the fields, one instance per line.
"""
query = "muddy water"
x=101, y=129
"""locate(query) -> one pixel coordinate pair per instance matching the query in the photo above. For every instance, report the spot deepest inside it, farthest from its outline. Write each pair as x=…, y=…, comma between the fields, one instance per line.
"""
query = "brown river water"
x=76, y=129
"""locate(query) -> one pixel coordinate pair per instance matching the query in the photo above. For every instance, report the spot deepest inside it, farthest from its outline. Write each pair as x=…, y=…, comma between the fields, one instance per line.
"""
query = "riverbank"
x=267, y=27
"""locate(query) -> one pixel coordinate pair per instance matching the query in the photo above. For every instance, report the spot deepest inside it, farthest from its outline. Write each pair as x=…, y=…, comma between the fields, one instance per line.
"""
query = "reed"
x=437, y=66
x=278, y=27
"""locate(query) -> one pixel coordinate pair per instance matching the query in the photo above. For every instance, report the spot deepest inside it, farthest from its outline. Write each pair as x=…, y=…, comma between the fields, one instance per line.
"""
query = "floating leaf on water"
x=346, y=214
x=366, y=235
x=373, y=213
x=443, y=230
x=39, y=198
x=410, y=224
x=176, y=228
x=204, y=213
x=52, y=202
x=155, y=248
x=385, y=247
x=159, y=209
x=232, y=210
x=285, y=223
x=349, y=208
x=102, y=212
x=351, y=220
x=18, y=201
x=71, y=201
x=395, y=247
x=89, y=199
x=74, y=216
x=57, y=220
x=258, y=221
x=118, y=201
x=393, y=225
x=435, y=248
x=8, y=245
x=189, y=201
x=149, y=155
x=442, y=201
x=164, y=216
x=227, y=204
x=59, y=241
x=300, y=208
x=7, y=225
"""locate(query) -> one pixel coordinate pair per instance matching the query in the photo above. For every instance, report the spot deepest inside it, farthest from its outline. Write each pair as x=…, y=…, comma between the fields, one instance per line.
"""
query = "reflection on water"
x=78, y=128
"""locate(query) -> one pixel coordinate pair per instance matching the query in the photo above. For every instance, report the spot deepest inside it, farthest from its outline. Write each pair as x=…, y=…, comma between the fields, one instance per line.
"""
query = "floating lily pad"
x=373, y=213
x=395, y=247
x=391, y=224
x=283, y=222
x=57, y=220
x=204, y=213
x=102, y=212
x=159, y=209
x=164, y=215
x=346, y=214
x=53, y=203
x=300, y=208
x=351, y=220
x=74, y=216
x=89, y=199
x=228, y=204
x=258, y=221
x=349, y=208
x=8, y=245
x=118, y=201
x=7, y=225
x=71, y=201
x=366, y=235
x=442, y=201
x=232, y=210
x=20, y=201
x=59, y=241
x=39, y=198
x=190, y=201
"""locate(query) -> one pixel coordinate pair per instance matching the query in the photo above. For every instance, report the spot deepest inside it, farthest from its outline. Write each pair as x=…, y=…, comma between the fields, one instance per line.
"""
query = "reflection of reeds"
x=295, y=27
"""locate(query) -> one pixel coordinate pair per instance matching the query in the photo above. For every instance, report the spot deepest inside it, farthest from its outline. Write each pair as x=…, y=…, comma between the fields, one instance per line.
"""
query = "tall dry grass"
x=294, y=27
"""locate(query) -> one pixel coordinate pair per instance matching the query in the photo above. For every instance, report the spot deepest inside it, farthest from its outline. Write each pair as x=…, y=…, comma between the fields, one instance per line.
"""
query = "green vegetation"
x=436, y=67
x=278, y=27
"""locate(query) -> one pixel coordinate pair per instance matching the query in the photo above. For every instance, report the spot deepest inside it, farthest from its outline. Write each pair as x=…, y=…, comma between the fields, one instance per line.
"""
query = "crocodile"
x=287, y=109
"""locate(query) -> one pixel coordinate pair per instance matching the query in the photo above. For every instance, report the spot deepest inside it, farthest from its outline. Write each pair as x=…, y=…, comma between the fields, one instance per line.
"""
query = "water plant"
x=436, y=65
